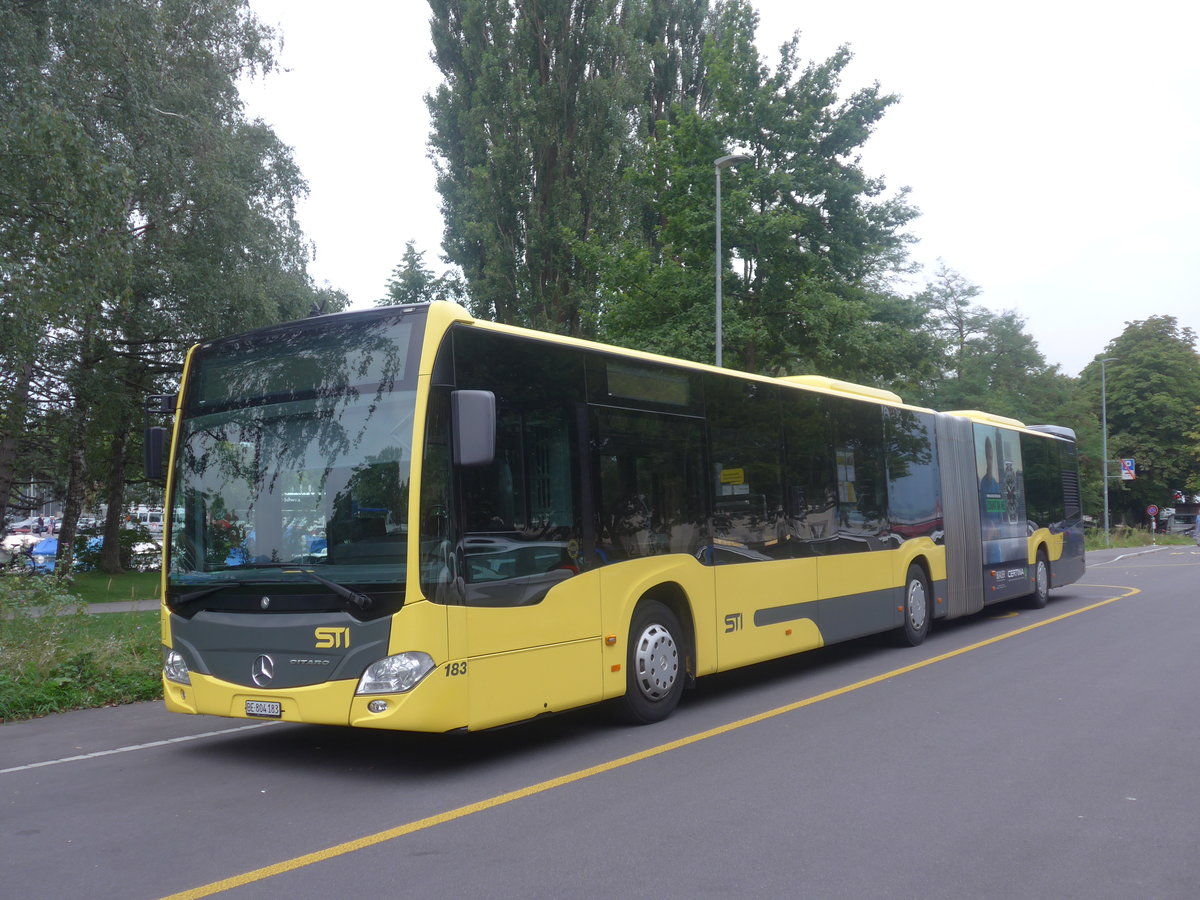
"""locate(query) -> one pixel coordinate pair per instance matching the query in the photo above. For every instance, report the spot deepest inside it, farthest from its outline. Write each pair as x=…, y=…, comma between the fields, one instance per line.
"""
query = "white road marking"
x=146, y=746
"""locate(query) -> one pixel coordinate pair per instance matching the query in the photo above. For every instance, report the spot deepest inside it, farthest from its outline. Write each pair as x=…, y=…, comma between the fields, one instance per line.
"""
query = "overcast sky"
x=1053, y=147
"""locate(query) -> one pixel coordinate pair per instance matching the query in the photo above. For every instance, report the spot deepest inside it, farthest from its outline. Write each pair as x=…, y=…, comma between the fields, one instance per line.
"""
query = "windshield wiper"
x=193, y=596
x=362, y=601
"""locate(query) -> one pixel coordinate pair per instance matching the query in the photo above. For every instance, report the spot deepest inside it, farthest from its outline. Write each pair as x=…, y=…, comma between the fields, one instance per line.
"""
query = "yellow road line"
x=380, y=837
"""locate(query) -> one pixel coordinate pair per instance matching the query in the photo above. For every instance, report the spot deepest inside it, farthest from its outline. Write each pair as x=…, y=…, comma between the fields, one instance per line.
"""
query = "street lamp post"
x=1104, y=438
x=718, y=165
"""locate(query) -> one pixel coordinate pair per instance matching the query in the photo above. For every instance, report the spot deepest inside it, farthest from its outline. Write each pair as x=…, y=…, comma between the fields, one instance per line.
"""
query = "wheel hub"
x=656, y=661
x=918, y=606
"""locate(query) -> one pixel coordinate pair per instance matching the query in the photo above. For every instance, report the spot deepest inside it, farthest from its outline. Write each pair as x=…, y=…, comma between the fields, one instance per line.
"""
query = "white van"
x=150, y=519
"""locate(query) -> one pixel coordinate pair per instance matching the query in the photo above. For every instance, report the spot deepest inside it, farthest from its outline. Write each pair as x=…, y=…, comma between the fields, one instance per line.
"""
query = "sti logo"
x=330, y=638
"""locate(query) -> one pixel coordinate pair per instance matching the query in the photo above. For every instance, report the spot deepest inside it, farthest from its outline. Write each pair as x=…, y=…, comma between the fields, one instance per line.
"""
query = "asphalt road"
x=1047, y=753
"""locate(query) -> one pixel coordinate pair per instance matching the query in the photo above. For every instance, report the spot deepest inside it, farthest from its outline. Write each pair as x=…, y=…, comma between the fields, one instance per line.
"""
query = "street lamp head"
x=729, y=160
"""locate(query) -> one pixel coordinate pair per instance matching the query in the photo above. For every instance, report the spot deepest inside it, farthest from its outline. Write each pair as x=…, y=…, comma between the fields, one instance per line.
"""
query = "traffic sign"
x=1128, y=470
x=1152, y=510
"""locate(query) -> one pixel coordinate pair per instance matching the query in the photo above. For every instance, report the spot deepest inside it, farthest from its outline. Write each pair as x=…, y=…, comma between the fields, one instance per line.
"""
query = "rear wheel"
x=654, y=664
x=918, y=608
x=1041, y=579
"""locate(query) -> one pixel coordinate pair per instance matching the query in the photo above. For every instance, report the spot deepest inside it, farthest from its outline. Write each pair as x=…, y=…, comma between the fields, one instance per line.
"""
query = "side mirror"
x=154, y=452
x=473, y=418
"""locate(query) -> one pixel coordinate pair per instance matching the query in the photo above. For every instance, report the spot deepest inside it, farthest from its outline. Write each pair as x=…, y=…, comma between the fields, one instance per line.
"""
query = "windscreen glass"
x=295, y=452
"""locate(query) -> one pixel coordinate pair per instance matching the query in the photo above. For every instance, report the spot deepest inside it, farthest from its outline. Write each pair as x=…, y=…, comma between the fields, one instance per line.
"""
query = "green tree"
x=58, y=227
x=987, y=359
x=1153, y=397
x=412, y=282
x=531, y=132
x=186, y=230
x=813, y=240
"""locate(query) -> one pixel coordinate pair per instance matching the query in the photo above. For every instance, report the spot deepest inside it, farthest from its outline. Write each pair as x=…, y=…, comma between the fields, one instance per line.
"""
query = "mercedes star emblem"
x=262, y=671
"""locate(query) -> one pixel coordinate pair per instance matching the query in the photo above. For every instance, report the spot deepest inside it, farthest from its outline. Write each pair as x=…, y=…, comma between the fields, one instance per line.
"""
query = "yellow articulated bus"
x=406, y=518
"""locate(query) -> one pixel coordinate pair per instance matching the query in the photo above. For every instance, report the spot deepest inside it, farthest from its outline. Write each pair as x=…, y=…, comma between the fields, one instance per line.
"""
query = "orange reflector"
x=617, y=667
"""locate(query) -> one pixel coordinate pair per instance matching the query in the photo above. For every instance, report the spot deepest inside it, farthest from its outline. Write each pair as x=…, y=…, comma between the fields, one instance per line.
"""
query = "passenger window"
x=861, y=474
x=812, y=506
x=651, y=483
x=748, y=520
x=914, y=485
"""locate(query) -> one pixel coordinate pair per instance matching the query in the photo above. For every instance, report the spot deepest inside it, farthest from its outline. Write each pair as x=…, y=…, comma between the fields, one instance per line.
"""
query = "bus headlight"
x=395, y=674
x=174, y=667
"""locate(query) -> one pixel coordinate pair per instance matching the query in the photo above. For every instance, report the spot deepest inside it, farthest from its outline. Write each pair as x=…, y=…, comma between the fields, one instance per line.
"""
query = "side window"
x=1069, y=460
x=493, y=495
x=1043, y=482
x=861, y=474
x=811, y=489
x=746, y=475
x=651, y=483
x=521, y=522
x=437, y=507
x=914, y=482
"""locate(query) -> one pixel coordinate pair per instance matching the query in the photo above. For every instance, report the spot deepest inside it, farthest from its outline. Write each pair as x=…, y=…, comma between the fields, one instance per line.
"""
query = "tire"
x=1041, y=591
x=655, y=667
x=918, y=608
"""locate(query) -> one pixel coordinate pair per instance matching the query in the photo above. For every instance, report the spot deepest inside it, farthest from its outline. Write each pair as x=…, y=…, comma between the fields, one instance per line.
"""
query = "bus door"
x=765, y=585
x=532, y=615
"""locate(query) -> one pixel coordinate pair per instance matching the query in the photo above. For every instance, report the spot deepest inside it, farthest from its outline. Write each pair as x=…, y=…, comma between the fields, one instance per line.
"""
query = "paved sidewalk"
x=94, y=608
x=122, y=606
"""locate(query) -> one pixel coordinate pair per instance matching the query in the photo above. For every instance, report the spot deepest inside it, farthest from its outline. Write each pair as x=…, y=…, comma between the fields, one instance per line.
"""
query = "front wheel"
x=654, y=664
x=1041, y=578
x=917, y=606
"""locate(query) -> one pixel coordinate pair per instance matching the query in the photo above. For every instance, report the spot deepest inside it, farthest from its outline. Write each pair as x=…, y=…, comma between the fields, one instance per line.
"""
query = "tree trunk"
x=76, y=472
x=110, y=552
x=13, y=426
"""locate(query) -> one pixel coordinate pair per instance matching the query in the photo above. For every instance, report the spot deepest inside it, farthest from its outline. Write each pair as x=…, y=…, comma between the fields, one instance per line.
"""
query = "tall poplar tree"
x=575, y=142
x=531, y=133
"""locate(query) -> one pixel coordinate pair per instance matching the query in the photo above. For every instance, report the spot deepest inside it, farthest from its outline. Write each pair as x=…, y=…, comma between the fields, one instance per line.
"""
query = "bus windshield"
x=294, y=454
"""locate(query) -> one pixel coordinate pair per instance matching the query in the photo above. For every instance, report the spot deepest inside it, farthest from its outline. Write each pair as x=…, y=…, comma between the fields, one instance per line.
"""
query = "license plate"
x=263, y=709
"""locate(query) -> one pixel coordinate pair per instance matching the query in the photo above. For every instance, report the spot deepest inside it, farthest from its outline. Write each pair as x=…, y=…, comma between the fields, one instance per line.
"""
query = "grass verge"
x=96, y=587
x=55, y=657
x=1133, y=538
